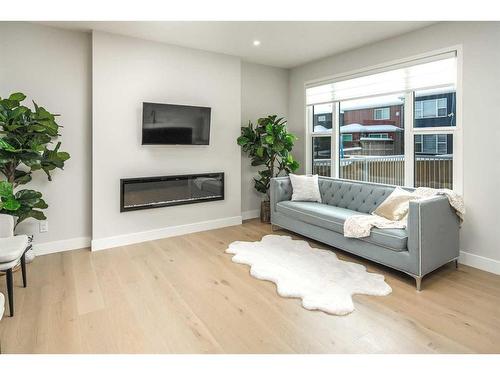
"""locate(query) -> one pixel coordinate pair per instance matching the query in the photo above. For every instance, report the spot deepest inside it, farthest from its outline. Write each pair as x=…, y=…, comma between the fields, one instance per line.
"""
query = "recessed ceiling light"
x=256, y=43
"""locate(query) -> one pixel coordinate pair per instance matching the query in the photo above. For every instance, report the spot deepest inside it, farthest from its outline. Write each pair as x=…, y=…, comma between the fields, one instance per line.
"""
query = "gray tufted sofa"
x=430, y=240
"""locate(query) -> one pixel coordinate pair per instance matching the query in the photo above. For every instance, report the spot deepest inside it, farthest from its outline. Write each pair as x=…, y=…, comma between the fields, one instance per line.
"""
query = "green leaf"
x=6, y=146
x=26, y=194
x=9, y=104
x=269, y=139
x=17, y=96
x=278, y=147
x=294, y=166
x=5, y=189
x=38, y=215
x=37, y=128
x=256, y=162
x=265, y=173
x=242, y=140
x=18, y=112
x=41, y=204
x=21, y=177
x=63, y=155
x=11, y=204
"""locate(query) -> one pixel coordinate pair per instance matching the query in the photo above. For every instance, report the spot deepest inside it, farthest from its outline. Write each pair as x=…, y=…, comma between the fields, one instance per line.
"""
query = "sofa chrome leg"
x=418, y=280
x=274, y=228
x=456, y=263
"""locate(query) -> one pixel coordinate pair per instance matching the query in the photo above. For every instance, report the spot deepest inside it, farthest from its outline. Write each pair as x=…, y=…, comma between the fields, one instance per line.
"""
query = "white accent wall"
x=129, y=71
x=53, y=67
x=481, y=124
x=264, y=91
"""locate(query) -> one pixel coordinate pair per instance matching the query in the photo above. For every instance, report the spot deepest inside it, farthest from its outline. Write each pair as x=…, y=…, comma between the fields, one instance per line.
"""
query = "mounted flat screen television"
x=169, y=124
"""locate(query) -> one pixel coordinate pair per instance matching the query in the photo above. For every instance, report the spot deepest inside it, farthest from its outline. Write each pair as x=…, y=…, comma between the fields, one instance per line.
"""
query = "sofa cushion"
x=357, y=196
x=332, y=218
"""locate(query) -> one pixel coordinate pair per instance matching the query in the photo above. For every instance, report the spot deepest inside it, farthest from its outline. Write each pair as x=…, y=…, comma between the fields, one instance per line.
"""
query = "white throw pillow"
x=395, y=207
x=305, y=188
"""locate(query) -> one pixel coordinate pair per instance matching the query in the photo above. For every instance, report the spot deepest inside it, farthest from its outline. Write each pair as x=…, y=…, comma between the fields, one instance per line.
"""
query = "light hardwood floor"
x=184, y=295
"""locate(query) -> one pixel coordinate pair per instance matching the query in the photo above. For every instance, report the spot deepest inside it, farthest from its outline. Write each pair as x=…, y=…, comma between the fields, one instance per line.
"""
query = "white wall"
x=264, y=91
x=128, y=71
x=53, y=67
x=481, y=127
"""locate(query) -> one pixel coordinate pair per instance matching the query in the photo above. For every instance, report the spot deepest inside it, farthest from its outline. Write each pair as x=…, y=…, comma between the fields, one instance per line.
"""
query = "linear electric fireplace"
x=150, y=192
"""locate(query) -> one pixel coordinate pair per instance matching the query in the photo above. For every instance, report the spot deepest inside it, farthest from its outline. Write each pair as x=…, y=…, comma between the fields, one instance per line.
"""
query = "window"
x=365, y=160
x=322, y=118
x=431, y=108
x=418, y=144
x=346, y=137
x=322, y=151
x=416, y=100
x=433, y=161
x=435, y=144
x=435, y=108
x=378, y=135
x=442, y=107
x=382, y=114
x=442, y=144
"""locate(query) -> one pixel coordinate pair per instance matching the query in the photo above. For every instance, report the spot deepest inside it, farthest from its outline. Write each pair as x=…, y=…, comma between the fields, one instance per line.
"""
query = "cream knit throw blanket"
x=358, y=226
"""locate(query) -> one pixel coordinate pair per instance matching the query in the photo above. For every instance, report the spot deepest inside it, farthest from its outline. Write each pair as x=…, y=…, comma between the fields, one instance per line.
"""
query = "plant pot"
x=265, y=212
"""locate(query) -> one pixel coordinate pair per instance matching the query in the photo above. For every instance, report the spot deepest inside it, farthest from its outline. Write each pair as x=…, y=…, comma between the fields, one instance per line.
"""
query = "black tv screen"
x=169, y=124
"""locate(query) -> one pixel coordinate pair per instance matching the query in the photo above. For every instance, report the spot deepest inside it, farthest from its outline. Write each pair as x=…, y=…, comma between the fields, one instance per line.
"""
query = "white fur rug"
x=318, y=277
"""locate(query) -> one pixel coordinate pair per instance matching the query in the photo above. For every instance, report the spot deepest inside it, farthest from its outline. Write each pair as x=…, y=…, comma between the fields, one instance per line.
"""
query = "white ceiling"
x=284, y=44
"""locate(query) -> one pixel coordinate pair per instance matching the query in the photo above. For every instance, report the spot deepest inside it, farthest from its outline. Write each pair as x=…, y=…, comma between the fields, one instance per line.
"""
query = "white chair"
x=12, y=252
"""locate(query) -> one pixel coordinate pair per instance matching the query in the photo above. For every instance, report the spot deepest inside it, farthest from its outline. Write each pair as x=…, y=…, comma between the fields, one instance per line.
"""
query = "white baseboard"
x=62, y=245
x=478, y=261
x=150, y=235
x=252, y=214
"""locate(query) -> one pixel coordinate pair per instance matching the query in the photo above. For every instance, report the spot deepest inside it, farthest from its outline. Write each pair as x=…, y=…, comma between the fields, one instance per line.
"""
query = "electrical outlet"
x=44, y=226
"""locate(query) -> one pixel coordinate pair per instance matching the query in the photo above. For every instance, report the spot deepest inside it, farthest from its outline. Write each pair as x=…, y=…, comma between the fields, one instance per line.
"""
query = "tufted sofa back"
x=358, y=196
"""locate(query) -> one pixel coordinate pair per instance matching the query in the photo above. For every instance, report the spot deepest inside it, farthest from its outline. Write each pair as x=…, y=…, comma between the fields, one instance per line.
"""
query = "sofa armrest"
x=433, y=236
x=280, y=190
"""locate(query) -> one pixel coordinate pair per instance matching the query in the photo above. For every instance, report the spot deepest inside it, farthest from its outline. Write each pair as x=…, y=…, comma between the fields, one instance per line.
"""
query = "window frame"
x=409, y=119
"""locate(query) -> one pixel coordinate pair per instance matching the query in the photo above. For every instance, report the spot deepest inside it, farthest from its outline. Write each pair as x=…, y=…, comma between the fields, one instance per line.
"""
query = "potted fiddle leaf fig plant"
x=26, y=138
x=269, y=146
